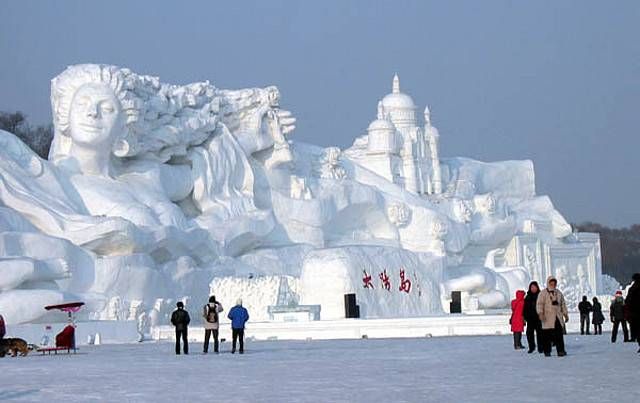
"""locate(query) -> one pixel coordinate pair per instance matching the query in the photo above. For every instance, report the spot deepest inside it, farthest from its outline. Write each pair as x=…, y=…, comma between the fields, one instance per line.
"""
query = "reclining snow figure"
x=127, y=152
x=152, y=191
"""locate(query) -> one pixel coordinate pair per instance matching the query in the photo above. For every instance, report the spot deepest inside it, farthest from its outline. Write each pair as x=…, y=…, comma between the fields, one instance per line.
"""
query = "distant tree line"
x=620, y=249
x=37, y=137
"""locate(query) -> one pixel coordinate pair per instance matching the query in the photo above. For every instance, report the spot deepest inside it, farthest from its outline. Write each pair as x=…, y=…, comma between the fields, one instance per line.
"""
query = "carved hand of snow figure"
x=255, y=118
x=279, y=123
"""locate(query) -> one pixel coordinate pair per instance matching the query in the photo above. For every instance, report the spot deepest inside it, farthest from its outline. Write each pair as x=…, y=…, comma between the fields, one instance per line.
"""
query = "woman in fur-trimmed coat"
x=553, y=313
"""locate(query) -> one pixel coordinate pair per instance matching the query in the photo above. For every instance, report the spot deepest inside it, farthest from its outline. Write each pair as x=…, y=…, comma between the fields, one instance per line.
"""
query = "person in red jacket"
x=517, y=319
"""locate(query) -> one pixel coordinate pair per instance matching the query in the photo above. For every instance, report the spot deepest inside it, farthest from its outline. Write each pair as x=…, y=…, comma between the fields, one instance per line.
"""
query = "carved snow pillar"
x=433, y=137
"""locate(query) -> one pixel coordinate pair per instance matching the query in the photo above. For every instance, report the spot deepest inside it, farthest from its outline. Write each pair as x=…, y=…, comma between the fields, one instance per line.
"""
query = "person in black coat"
x=180, y=319
x=633, y=304
x=534, y=326
x=617, y=317
x=598, y=317
x=585, y=309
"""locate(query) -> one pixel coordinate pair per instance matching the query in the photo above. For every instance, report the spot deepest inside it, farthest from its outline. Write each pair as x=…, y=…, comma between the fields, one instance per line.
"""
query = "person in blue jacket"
x=239, y=316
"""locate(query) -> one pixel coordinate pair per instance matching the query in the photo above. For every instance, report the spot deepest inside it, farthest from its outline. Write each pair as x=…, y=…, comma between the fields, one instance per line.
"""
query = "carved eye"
x=82, y=101
x=107, y=108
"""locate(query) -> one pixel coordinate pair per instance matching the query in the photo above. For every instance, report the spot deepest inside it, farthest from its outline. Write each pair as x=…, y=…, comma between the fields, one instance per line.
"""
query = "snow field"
x=446, y=369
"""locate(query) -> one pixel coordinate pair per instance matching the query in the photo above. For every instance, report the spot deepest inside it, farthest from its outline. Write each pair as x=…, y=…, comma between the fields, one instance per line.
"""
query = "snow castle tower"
x=397, y=149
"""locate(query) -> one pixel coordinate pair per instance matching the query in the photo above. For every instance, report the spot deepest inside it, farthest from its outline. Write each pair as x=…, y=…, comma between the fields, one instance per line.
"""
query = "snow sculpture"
x=399, y=150
x=330, y=165
x=299, y=189
x=399, y=214
x=156, y=192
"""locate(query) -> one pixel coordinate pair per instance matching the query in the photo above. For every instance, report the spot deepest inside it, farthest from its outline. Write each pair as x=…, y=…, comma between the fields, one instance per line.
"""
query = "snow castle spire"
x=381, y=114
x=396, y=84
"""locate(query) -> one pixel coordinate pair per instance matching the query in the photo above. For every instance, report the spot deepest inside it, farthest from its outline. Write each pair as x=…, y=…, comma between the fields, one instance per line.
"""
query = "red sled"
x=66, y=339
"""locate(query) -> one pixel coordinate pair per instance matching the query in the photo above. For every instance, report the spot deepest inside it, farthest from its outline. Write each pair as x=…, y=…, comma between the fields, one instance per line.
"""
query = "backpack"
x=211, y=314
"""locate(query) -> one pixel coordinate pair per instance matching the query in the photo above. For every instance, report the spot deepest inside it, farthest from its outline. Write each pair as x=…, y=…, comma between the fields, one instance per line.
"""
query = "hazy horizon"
x=554, y=82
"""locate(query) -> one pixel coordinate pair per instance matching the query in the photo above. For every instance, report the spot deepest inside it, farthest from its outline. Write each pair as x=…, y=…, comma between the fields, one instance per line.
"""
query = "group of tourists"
x=586, y=309
x=211, y=316
x=545, y=314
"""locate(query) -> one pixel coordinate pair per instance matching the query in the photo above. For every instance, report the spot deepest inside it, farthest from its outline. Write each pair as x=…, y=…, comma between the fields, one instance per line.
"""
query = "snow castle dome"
x=399, y=106
x=382, y=133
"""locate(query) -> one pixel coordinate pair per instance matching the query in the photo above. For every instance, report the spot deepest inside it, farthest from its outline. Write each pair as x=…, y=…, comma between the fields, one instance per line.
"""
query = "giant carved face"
x=95, y=117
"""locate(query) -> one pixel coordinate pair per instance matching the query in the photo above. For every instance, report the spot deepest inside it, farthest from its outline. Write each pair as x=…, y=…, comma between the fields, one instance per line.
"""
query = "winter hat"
x=180, y=304
x=212, y=298
x=239, y=301
x=618, y=293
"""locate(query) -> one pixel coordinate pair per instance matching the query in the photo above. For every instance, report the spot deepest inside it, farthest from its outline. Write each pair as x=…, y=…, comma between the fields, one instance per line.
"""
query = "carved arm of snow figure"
x=35, y=189
x=15, y=271
x=491, y=286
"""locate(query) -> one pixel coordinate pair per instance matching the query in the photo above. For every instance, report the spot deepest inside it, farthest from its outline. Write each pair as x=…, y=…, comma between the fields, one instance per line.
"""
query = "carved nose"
x=92, y=111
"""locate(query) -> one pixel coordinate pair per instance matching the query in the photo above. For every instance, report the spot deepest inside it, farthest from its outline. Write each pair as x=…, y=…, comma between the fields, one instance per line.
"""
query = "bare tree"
x=38, y=138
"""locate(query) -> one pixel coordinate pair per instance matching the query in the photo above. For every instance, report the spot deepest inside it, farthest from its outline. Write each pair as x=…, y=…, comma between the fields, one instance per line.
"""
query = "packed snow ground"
x=448, y=369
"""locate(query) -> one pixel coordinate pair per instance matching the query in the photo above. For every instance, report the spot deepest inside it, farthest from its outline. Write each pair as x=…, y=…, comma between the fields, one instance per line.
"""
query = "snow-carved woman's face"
x=96, y=116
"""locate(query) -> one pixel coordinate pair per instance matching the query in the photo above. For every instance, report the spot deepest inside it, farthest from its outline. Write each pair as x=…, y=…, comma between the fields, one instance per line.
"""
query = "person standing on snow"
x=585, y=309
x=617, y=317
x=598, y=317
x=633, y=302
x=553, y=313
x=239, y=316
x=180, y=319
x=534, y=326
x=517, y=319
x=3, y=328
x=211, y=323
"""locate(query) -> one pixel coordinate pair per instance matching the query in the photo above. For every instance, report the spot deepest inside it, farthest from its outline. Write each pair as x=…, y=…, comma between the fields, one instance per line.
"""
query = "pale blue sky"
x=557, y=82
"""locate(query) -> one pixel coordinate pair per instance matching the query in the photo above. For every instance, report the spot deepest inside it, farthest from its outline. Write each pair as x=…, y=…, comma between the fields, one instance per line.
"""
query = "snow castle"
x=156, y=192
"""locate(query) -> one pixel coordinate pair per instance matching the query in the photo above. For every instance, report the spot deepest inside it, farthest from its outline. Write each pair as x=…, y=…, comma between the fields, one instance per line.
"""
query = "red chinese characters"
x=384, y=277
x=366, y=280
x=405, y=283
